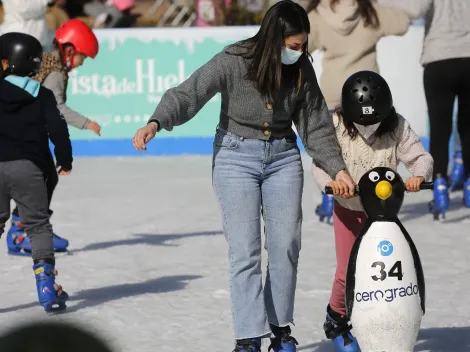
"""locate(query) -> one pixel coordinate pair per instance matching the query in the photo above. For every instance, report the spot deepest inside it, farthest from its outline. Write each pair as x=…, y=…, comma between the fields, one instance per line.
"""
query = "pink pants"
x=347, y=226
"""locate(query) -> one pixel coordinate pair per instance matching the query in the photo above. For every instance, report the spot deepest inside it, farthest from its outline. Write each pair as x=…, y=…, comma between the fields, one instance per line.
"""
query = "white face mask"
x=367, y=131
x=289, y=56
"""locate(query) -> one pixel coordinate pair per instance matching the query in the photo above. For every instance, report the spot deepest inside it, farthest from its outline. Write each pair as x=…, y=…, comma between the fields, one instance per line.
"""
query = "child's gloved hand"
x=412, y=184
x=95, y=127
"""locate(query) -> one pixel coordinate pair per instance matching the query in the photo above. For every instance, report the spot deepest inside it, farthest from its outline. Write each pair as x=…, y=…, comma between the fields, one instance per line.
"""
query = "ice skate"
x=338, y=330
x=248, y=345
x=325, y=209
x=282, y=341
x=466, y=193
x=50, y=294
x=18, y=242
x=457, y=175
x=439, y=205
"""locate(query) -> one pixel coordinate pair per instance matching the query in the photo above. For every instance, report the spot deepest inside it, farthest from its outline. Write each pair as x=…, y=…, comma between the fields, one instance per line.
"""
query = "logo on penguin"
x=385, y=248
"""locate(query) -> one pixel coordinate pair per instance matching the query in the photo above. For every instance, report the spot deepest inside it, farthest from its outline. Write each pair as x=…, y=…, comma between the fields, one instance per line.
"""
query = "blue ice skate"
x=440, y=203
x=338, y=331
x=248, y=345
x=466, y=193
x=457, y=175
x=50, y=295
x=282, y=341
x=18, y=242
x=325, y=209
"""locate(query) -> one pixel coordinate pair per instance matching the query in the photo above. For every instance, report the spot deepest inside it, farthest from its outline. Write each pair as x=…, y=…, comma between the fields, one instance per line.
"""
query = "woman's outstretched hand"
x=144, y=135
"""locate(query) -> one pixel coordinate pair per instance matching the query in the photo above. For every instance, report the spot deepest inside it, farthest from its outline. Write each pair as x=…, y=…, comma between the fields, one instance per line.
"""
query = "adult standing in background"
x=446, y=62
x=347, y=31
x=267, y=83
x=26, y=16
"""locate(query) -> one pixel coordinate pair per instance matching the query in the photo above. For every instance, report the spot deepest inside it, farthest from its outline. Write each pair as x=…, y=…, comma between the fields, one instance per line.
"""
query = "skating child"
x=28, y=119
x=74, y=42
x=370, y=134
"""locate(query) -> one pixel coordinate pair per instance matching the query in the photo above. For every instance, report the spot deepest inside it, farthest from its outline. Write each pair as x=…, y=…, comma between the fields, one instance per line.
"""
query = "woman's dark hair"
x=283, y=19
x=389, y=125
x=364, y=7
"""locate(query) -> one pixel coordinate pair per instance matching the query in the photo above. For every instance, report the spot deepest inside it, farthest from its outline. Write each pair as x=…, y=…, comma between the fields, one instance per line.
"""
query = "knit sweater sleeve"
x=180, y=104
x=320, y=176
x=392, y=21
x=313, y=43
x=412, y=154
x=413, y=8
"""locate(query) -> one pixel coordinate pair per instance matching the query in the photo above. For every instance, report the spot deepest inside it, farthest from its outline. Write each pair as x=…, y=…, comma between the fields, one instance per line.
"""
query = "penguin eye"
x=374, y=176
x=390, y=175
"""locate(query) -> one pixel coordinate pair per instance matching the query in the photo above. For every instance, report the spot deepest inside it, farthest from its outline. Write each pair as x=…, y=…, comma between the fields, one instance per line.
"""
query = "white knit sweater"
x=360, y=156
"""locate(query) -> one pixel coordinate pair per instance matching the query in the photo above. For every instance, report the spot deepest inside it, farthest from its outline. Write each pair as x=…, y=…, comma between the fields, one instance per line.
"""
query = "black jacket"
x=26, y=125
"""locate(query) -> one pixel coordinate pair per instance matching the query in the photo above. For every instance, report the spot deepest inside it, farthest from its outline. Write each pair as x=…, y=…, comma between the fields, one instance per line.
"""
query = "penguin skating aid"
x=385, y=291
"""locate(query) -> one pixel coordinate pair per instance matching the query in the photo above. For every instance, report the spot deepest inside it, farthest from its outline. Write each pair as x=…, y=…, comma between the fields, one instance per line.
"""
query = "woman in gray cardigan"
x=267, y=83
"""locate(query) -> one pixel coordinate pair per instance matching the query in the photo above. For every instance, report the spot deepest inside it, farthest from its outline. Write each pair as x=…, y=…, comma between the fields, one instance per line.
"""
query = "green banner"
x=122, y=86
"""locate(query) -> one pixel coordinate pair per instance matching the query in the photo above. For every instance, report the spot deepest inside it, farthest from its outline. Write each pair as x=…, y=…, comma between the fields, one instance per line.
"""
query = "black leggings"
x=443, y=81
x=52, y=179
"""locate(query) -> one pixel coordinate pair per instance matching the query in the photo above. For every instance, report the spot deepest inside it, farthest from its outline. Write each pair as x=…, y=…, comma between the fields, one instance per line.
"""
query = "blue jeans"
x=248, y=174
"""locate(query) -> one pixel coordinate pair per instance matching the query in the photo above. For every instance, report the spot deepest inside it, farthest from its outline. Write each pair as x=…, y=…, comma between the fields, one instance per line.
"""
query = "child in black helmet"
x=28, y=119
x=370, y=133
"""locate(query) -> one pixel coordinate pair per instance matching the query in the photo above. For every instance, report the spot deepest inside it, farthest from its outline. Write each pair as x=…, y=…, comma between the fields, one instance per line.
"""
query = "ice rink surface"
x=147, y=267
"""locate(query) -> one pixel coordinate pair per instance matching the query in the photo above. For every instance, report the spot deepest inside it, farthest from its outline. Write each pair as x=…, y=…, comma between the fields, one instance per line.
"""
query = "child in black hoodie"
x=28, y=119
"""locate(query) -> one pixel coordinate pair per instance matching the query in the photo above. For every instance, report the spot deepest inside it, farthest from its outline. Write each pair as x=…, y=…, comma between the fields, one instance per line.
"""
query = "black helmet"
x=366, y=98
x=23, y=52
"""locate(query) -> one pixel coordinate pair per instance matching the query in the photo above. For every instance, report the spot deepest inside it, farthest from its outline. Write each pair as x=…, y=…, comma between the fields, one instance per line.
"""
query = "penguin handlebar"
x=423, y=186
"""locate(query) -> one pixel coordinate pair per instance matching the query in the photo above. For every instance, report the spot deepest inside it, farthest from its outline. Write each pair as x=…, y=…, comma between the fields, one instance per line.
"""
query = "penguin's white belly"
x=386, y=313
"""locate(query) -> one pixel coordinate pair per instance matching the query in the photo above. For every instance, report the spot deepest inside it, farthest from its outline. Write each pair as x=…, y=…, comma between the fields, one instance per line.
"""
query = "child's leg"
x=4, y=200
x=27, y=187
x=60, y=244
x=347, y=225
x=52, y=179
x=28, y=190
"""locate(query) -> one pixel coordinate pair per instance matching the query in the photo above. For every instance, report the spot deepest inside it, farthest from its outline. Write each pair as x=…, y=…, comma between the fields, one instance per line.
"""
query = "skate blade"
x=55, y=308
x=56, y=311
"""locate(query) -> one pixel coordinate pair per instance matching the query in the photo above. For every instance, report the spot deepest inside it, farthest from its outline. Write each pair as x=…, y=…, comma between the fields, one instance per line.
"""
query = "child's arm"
x=57, y=130
x=55, y=82
x=321, y=177
x=412, y=154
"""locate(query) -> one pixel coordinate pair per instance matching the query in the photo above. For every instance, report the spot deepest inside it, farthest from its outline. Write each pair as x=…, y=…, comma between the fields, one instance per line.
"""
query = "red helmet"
x=78, y=34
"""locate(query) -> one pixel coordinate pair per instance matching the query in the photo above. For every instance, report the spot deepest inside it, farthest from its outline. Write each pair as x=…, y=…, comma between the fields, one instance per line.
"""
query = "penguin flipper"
x=350, y=283
x=418, y=266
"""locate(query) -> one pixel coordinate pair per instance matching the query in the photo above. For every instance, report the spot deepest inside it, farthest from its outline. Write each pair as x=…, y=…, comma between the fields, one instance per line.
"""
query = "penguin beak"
x=383, y=190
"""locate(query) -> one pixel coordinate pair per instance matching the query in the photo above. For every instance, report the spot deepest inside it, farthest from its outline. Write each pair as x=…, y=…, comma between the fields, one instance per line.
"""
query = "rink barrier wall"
x=158, y=146
x=122, y=86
